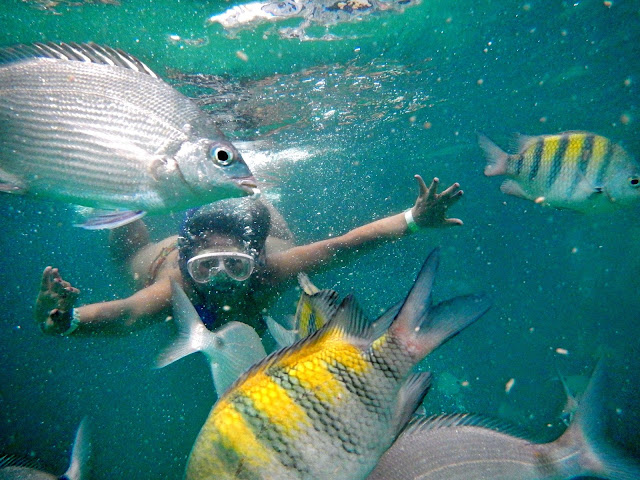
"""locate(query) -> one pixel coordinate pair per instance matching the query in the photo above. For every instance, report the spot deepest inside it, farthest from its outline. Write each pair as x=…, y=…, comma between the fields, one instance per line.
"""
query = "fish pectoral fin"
x=11, y=183
x=108, y=219
x=511, y=187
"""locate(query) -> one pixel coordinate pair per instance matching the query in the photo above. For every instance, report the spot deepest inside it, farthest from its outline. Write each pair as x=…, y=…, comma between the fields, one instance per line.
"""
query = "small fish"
x=470, y=447
x=574, y=170
x=324, y=12
x=328, y=406
x=13, y=468
x=315, y=308
x=93, y=126
x=230, y=349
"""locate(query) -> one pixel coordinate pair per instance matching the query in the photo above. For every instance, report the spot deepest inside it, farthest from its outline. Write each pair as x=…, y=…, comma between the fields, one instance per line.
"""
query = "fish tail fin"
x=231, y=349
x=588, y=432
x=191, y=331
x=80, y=454
x=421, y=326
x=495, y=156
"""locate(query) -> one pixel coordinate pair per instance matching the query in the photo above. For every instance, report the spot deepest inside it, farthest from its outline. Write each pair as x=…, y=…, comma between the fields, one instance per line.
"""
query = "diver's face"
x=220, y=265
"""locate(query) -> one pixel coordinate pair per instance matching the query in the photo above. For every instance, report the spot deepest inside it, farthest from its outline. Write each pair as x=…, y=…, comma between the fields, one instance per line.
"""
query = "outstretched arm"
x=429, y=210
x=56, y=314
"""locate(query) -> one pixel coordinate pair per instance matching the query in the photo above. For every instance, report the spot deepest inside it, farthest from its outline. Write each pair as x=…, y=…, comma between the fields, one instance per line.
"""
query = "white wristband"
x=74, y=324
x=412, y=226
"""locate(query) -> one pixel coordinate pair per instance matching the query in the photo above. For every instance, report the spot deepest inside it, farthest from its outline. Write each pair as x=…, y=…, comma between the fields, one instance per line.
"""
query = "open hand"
x=55, y=302
x=430, y=209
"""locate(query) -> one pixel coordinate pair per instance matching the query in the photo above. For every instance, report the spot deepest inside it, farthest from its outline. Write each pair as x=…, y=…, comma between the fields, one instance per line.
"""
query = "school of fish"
x=331, y=404
x=94, y=126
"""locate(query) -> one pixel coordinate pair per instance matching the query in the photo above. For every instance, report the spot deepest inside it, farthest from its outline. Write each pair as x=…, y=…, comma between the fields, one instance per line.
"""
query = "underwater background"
x=336, y=121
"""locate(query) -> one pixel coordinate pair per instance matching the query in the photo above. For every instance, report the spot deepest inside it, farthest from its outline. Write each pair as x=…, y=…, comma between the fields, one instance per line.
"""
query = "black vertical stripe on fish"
x=582, y=165
x=519, y=164
x=537, y=158
x=323, y=417
x=268, y=435
x=604, y=166
x=556, y=161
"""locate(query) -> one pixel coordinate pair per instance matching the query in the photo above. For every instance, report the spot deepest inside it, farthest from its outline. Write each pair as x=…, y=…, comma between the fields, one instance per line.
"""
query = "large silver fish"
x=94, y=126
x=464, y=447
x=12, y=468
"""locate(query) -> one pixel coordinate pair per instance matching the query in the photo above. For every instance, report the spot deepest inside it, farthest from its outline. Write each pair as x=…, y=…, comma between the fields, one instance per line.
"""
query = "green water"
x=344, y=125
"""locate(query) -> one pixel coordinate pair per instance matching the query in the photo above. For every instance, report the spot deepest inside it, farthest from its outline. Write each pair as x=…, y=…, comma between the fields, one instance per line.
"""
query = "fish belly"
x=87, y=133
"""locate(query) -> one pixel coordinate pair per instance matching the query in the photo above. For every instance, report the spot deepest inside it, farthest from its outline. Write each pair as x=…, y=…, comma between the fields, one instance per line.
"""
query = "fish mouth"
x=249, y=185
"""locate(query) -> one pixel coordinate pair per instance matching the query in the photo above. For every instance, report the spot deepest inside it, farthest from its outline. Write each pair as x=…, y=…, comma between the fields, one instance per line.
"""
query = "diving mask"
x=204, y=266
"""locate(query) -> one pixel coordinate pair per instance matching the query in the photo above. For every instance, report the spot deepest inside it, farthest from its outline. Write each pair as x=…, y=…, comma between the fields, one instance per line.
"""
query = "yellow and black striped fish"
x=311, y=313
x=330, y=405
x=576, y=170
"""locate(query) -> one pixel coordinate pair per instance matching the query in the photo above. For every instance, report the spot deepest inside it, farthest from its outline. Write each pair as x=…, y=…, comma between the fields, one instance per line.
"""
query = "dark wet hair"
x=246, y=219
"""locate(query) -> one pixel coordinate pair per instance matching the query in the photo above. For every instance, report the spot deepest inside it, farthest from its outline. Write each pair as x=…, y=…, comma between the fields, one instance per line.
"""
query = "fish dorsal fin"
x=422, y=424
x=306, y=285
x=350, y=322
x=76, y=52
x=521, y=142
x=323, y=306
x=19, y=461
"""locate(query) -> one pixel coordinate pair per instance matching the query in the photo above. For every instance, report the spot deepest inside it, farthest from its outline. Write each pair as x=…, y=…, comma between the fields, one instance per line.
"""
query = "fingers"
x=453, y=222
x=452, y=190
x=433, y=189
x=46, y=279
x=422, y=186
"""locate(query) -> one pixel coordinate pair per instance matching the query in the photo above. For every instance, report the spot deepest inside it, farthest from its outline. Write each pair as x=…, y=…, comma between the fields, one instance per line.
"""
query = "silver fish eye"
x=222, y=156
x=634, y=181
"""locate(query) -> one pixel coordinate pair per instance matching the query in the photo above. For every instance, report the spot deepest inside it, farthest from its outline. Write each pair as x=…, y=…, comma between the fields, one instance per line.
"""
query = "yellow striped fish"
x=311, y=313
x=576, y=170
x=330, y=405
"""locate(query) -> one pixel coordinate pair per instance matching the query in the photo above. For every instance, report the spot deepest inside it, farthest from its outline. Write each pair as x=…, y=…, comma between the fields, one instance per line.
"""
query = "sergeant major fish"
x=328, y=406
x=12, y=468
x=311, y=313
x=94, y=126
x=471, y=447
x=575, y=170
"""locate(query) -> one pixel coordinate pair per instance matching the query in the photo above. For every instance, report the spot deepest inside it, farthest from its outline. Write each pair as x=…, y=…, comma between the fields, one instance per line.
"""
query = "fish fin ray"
x=80, y=453
x=324, y=306
x=422, y=327
x=75, y=52
x=511, y=187
x=422, y=423
x=10, y=183
x=188, y=339
x=384, y=321
x=231, y=349
x=351, y=323
x=522, y=142
x=283, y=336
x=410, y=396
x=496, y=157
x=19, y=461
x=450, y=317
x=106, y=219
x=589, y=430
x=306, y=285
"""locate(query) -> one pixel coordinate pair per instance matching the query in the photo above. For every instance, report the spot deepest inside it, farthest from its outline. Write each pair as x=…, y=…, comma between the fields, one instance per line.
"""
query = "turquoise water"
x=343, y=126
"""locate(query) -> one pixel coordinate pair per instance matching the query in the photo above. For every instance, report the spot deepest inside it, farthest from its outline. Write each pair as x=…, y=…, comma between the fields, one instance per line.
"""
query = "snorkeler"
x=232, y=258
